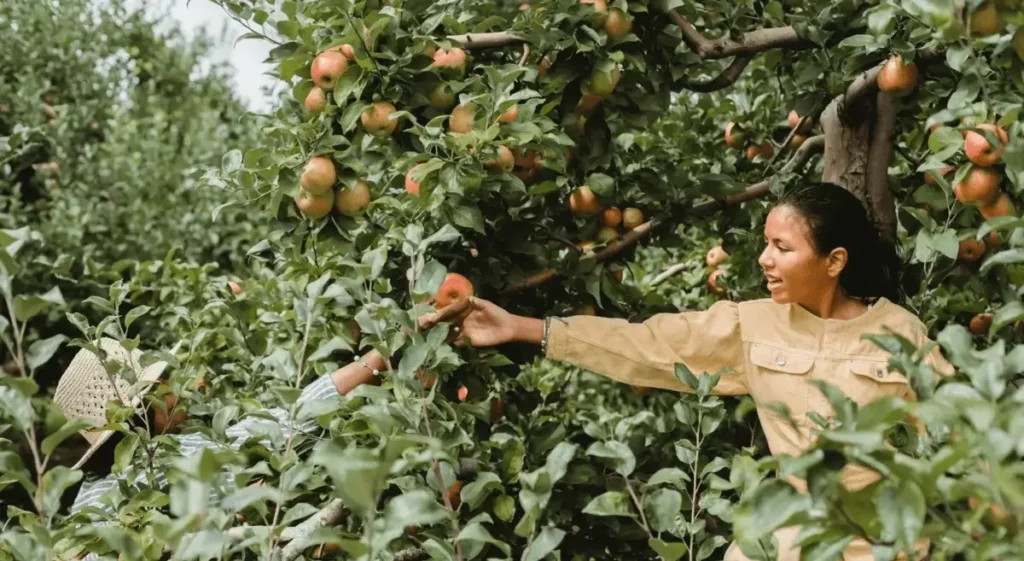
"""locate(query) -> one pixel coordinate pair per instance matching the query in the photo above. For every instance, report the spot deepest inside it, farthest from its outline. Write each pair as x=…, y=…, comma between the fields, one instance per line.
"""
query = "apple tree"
x=611, y=158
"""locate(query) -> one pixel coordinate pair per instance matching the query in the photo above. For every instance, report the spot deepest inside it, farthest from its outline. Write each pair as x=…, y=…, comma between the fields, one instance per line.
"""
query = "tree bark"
x=880, y=202
x=847, y=141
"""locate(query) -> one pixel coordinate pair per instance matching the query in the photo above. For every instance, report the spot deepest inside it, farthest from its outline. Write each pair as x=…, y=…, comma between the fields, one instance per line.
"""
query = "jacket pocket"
x=780, y=361
x=781, y=376
x=870, y=379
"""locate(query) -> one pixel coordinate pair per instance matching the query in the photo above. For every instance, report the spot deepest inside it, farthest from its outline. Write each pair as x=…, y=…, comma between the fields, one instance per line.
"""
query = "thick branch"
x=879, y=197
x=486, y=40
x=329, y=515
x=750, y=43
x=724, y=80
x=412, y=554
x=807, y=149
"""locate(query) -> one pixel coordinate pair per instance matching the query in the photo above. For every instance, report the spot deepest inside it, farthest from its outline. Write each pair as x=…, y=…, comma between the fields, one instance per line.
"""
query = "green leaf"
x=247, y=496
x=558, y=460
x=446, y=234
x=866, y=42
x=475, y=538
x=476, y=493
x=547, y=540
x=670, y=476
x=27, y=307
x=469, y=217
x=827, y=550
x=288, y=28
x=667, y=551
x=328, y=348
x=134, y=314
x=601, y=184
x=70, y=427
x=773, y=505
x=124, y=452
x=376, y=258
x=957, y=55
x=57, y=480
x=967, y=90
x=1010, y=312
x=15, y=406
x=622, y=459
x=504, y=508
x=1005, y=257
x=358, y=475
x=684, y=375
x=231, y=162
x=863, y=439
x=610, y=503
x=430, y=277
x=662, y=507
x=708, y=546
x=418, y=507
x=901, y=511
x=351, y=82
x=41, y=351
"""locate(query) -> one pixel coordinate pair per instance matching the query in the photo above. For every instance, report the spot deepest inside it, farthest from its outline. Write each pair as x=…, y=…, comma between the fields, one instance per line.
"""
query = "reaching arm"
x=641, y=354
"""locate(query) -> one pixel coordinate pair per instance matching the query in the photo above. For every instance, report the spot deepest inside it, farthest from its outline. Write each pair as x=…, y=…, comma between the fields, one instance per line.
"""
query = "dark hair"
x=837, y=218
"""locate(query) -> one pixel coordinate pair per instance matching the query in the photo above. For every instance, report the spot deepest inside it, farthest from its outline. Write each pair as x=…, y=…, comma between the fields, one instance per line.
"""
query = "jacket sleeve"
x=645, y=354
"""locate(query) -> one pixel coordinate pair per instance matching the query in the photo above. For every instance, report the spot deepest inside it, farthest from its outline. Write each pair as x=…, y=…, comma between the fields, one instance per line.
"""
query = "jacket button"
x=880, y=373
x=780, y=361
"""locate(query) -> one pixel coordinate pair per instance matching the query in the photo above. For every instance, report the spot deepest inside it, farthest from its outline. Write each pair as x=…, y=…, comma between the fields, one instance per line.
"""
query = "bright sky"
x=247, y=56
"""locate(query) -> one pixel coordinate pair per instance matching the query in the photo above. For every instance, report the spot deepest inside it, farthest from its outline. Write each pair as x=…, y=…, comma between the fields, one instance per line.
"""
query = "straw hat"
x=85, y=388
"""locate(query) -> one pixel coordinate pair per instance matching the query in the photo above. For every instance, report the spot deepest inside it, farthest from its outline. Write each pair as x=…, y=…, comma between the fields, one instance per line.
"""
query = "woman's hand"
x=486, y=325
x=481, y=323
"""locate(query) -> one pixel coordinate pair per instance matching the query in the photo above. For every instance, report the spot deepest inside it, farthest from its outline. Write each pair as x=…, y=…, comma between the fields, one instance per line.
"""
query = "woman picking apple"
x=832, y=278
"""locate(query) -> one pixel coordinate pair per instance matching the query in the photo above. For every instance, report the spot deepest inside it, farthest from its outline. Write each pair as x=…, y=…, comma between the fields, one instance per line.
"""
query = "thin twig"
x=669, y=273
x=526, y=54
x=640, y=508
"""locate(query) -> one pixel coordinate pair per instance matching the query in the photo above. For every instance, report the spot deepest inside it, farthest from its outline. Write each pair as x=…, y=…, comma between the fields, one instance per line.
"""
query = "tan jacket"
x=772, y=351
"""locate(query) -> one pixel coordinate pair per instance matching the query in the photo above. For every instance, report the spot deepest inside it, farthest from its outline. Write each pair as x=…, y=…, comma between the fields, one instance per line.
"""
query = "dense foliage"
x=538, y=460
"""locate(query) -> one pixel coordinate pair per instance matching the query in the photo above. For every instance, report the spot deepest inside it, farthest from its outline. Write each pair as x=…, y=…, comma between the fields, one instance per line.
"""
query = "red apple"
x=454, y=288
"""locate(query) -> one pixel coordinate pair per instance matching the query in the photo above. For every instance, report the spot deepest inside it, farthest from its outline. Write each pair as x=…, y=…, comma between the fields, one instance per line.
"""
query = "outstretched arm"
x=641, y=354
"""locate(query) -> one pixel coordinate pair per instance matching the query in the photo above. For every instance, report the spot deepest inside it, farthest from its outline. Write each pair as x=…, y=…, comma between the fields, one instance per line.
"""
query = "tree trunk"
x=880, y=202
x=846, y=149
x=858, y=148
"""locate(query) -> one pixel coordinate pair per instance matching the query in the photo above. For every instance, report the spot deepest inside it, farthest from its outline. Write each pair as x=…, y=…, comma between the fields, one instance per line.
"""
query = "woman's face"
x=796, y=273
